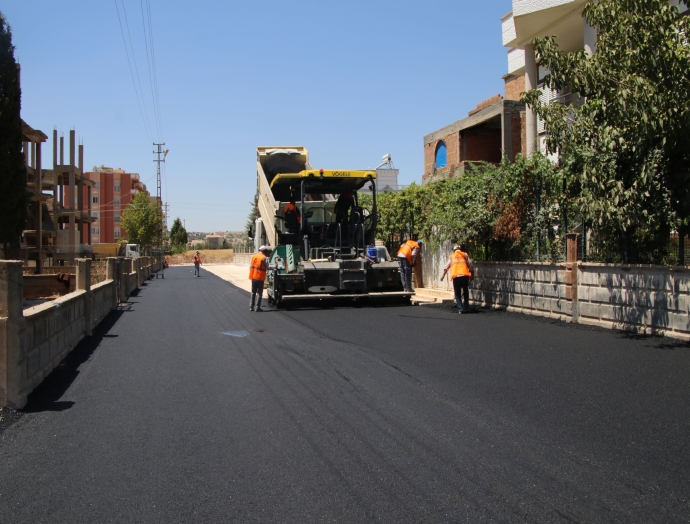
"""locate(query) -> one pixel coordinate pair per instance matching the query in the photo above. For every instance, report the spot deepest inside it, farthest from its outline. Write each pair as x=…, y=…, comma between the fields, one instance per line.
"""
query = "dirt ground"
x=208, y=256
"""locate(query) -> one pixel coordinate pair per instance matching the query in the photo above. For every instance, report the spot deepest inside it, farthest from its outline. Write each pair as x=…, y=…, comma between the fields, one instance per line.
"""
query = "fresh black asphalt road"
x=186, y=407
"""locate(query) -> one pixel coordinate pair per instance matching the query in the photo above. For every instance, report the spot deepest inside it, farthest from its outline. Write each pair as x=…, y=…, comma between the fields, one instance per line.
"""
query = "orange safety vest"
x=197, y=259
x=407, y=248
x=459, y=266
x=292, y=207
x=257, y=270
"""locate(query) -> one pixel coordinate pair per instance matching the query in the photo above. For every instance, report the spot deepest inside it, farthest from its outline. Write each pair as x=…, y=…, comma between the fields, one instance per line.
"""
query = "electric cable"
x=146, y=128
x=136, y=69
x=155, y=69
x=156, y=115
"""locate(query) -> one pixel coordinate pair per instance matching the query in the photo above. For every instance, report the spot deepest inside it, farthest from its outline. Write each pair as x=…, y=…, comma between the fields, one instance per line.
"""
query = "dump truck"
x=116, y=249
x=325, y=249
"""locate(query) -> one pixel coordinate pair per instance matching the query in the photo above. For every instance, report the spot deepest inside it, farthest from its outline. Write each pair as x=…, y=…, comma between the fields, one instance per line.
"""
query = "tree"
x=178, y=234
x=13, y=198
x=251, y=219
x=626, y=149
x=142, y=221
x=505, y=212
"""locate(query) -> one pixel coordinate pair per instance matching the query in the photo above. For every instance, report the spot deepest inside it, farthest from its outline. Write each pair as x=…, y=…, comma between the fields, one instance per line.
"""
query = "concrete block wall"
x=34, y=340
x=53, y=329
x=534, y=288
x=642, y=298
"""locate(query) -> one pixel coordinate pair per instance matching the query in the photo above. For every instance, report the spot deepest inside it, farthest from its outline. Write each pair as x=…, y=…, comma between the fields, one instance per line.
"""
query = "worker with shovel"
x=460, y=275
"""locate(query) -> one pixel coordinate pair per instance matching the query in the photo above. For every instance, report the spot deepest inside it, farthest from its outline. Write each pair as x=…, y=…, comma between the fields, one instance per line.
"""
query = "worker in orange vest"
x=460, y=274
x=292, y=207
x=197, y=263
x=407, y=257
x=257, y=274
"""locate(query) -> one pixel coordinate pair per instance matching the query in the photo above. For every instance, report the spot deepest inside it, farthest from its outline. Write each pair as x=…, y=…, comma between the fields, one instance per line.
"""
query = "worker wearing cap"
x=257, y=274
x=460, y=269
x=197, y=263
x=407, y=258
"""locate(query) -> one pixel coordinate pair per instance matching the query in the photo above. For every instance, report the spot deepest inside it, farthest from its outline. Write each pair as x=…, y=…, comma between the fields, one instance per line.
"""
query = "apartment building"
x=530, y=19
x=113, y=190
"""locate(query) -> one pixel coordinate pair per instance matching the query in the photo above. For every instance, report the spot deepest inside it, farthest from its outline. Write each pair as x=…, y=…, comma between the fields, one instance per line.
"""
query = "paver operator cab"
x=321, y=239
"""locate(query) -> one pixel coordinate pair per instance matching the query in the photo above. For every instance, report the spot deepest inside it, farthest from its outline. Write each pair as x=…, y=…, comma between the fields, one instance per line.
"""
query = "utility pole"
x=159, y=196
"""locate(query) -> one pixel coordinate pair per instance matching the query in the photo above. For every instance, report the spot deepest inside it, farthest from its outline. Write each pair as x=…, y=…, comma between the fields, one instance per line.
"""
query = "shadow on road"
x=46, y=397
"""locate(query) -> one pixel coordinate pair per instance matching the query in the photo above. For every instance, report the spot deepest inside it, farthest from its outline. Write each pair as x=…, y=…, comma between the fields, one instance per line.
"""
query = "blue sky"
x=351, y=81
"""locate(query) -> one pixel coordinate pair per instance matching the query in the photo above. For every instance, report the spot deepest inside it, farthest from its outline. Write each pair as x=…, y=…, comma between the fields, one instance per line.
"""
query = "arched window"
x=441, y=155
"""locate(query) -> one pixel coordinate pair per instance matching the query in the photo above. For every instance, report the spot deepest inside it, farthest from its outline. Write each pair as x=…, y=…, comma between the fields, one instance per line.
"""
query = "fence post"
x=571, y=273
x=111, y=274
x=84, y=283
x=120, y=279
x=12, y=335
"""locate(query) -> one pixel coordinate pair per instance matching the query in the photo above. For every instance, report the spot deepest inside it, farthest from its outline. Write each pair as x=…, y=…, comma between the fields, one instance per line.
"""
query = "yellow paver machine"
x=321, y=239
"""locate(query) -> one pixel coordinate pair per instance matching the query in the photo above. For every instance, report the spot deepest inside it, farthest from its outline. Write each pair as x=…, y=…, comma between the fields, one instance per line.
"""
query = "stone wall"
x=641, y=298
x=34, y=340
x=534, y=288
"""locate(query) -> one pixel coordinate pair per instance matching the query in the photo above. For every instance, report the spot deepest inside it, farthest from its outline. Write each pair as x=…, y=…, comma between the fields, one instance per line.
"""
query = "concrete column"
x=88, y=197
x=55, y=180
x=507, y=133
x=39, y=216
x=531, y=79
x=590, y=39
x=12, y=335
x=72, y=159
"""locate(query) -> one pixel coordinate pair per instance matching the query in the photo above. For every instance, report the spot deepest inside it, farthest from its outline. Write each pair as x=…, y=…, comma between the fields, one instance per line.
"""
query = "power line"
x=146, y=128
x=134, y=59
x=156, y=112
x=155, y=68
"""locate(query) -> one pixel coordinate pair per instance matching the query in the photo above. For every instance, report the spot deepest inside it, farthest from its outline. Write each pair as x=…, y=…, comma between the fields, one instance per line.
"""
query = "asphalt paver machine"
x=325, y=249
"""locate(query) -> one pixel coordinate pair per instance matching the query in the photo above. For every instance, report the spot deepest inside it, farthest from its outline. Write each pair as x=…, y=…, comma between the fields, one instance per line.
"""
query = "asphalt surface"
x=186, y=407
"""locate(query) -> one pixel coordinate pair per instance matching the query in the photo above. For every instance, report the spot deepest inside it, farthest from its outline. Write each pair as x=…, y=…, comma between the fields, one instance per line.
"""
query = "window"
x=441, y=155
x=117, y=202
x=117, y=232
x=96, y=185
x=94, y=214
x=116, y=216
x=94, y=200
x=117, y=187
x=96, y=230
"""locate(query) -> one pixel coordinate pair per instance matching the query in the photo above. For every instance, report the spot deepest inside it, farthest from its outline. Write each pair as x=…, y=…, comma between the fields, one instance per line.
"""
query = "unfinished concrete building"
x=40, y=230
x=57, y=211
x=492, y=130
